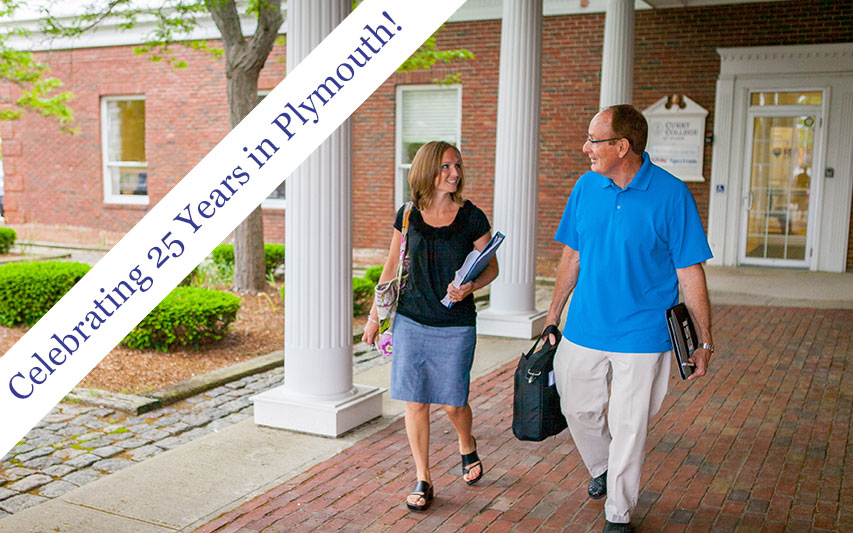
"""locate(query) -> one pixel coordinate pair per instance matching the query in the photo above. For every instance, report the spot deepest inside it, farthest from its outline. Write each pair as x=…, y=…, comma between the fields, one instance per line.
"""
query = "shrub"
x=223, y=256
x=373, y=273
x=29, y=290
x=273, y=256
x=362, y=295
x=188, y=315
x=7, y=239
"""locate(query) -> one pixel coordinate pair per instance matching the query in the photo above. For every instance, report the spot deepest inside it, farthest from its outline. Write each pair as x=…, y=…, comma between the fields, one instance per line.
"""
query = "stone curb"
x=62, y=246
x=128, y=403
x=139, y=404
x=33, y=258
x=210, y=380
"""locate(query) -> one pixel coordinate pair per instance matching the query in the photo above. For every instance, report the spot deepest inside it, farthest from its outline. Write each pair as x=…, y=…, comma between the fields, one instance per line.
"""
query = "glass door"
x=780, y=167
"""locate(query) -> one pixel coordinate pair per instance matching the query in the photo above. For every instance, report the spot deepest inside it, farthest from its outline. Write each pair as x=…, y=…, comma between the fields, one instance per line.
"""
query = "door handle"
x=748, y=199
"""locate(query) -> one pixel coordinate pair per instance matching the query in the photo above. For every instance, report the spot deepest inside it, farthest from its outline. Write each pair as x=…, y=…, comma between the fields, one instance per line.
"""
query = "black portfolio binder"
x=683, y=336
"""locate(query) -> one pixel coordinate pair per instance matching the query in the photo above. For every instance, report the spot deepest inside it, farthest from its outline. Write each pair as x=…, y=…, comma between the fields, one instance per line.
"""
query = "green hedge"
x=223, y=256
x=187, y=316
x=362, y=295
x=7, y=239
x=29, y=290
x=373, y=273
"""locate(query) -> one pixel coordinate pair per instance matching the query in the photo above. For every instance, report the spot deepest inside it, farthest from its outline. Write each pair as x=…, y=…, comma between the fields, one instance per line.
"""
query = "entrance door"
x=780, y=165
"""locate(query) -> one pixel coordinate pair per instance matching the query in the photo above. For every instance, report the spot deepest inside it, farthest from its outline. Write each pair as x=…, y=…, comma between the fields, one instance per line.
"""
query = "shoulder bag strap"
x=404, y=245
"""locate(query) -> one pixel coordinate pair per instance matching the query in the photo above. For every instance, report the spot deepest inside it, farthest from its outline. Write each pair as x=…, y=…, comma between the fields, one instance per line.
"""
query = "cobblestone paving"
x=76, y=444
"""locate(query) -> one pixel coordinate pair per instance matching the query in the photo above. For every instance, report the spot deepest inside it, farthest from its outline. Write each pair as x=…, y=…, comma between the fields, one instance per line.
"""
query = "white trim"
x=106, y=34
x=662, y=4
x=109, y=196
x=109, y=34
x=776, y=60
x=720, y=195
x=826, y=67
x=476, y=10
x=837, y=192
x=273, y=204
x=398, y=131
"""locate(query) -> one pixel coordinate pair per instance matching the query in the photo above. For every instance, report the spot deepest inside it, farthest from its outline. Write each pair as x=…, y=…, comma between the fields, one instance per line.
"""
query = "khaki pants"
x=615, y=444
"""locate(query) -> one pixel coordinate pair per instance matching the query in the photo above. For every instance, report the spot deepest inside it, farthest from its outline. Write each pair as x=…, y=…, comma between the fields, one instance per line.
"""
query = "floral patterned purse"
x=387, y=293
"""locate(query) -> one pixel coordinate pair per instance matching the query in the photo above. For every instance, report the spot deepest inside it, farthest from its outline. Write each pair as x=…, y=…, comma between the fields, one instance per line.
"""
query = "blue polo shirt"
x=630, y=241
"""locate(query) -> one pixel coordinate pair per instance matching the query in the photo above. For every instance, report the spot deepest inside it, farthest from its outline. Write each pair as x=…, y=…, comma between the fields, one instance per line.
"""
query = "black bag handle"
x=550, y=329
x=535, y=371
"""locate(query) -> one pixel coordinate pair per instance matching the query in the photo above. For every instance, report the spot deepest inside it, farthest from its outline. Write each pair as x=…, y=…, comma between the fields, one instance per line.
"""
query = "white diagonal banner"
x=179, y=232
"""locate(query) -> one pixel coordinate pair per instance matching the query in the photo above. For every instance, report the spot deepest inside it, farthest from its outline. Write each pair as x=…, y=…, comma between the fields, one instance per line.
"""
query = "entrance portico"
x=757, y=219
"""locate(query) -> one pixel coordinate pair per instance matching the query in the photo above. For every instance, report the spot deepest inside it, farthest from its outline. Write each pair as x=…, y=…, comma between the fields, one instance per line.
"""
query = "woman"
x=434, y=345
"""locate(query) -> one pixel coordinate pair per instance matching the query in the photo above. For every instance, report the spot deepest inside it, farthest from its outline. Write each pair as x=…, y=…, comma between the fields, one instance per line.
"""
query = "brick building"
x=162, y=121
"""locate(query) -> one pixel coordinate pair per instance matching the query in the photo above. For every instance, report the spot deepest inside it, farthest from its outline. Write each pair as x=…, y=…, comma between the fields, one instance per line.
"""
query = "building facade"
x=775, y=77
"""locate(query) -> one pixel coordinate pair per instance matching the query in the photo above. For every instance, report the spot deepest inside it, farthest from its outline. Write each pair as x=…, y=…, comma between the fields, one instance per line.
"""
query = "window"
x=123, y=134
x=276, y=199
x=785, y=98
x=424, y=113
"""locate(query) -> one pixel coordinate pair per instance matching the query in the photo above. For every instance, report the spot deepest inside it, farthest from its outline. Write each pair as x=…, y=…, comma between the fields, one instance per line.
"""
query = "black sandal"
x=422, y=490
x=469, y=461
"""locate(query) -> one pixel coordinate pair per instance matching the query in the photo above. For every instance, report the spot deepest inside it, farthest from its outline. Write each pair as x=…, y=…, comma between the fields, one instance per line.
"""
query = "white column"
x=318, y=395
x=617, y=61
x=724, y=184
x=512, y=303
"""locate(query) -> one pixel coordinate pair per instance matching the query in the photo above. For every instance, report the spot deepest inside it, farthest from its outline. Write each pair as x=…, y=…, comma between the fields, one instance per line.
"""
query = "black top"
x=435, y=256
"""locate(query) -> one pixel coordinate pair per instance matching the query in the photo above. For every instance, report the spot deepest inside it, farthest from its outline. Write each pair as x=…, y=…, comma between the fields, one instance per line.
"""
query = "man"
x=632, y=236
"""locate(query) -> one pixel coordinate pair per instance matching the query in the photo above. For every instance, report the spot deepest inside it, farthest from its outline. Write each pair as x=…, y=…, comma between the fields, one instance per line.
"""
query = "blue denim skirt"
x=431, y=364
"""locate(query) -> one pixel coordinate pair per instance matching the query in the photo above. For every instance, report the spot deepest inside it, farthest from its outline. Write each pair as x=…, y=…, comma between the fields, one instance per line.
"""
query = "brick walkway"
x=763, y=444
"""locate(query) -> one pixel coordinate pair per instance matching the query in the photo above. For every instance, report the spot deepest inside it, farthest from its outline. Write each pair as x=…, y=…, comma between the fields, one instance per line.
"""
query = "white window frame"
x=401, y=169
x=277, y=204
x=110, y=196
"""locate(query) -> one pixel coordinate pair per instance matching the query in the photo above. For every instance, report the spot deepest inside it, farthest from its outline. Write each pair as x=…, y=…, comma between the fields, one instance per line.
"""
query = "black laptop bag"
x=536, y=413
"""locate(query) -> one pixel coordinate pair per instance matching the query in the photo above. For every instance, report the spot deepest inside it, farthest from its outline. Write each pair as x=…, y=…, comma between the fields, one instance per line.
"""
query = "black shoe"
x=423, y=491
x=617, y=527
x=598, y=487
x=469, y=461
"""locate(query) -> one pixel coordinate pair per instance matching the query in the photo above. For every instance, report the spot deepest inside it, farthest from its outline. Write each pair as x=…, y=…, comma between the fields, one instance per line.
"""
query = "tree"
x=244, y=59
x=37, y=91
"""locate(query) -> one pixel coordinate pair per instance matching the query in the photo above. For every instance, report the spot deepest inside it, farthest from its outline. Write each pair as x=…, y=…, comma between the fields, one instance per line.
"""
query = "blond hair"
x=425, y=167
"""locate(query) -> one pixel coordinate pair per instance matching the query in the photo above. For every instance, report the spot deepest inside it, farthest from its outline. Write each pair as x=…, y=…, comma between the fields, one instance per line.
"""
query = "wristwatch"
x=705, y=345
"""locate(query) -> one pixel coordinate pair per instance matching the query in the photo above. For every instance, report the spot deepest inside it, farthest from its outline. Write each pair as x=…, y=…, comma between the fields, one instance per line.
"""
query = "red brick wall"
x=675, y=52
x=56, y=178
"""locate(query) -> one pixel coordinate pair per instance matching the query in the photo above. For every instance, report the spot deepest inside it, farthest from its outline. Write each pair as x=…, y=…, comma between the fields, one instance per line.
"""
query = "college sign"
x=207, y=204
x=676, y=136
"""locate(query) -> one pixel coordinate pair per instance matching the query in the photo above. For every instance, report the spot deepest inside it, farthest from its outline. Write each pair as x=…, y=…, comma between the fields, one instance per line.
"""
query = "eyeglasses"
x=602, y=140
